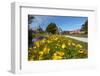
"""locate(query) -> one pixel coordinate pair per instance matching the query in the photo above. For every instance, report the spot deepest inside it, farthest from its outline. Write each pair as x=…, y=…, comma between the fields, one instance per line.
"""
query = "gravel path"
x=78, y=38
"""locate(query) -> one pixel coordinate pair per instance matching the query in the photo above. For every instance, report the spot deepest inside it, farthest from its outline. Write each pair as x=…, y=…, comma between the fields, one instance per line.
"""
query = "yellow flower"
x=56, y=38
x=48, y=41
x=73, y=44
x=81, y=51
x=40, y=57
x=63, y=46
x=78, y=46
x=41, y=52
x=69, y=43
x=55, y=54
x=56, y=57
x=37, y=44
x=43, y=41
x=46, y=50
x=59, y=53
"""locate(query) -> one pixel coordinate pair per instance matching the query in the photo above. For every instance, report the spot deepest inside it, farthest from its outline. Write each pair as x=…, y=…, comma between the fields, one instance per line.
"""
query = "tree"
x=85, y=27
x=30, y=19
x=52, y=28
x=40, y=30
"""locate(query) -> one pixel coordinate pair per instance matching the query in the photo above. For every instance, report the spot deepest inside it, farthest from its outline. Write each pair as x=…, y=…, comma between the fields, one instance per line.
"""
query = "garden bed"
x=57, y=47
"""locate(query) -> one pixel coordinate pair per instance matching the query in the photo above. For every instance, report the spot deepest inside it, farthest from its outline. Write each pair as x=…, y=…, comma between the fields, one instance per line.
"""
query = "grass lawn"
x=57, y=47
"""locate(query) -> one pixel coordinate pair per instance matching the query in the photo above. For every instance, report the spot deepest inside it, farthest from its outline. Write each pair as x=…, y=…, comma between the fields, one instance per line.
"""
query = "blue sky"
x=66, y=23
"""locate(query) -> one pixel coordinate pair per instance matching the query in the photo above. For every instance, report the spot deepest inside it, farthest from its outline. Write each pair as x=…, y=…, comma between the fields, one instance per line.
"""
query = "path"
x=78, y=38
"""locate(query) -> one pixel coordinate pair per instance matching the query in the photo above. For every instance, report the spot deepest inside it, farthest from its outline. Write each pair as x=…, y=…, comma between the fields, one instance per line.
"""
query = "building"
x=78, y=31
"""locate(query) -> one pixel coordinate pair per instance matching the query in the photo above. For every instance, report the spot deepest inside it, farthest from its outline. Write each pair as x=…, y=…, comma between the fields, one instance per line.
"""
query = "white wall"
x=5, y=33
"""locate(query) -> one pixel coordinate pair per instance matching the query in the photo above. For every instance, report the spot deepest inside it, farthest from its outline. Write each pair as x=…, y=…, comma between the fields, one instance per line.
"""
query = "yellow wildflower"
x=78, y=46
x=56, y=38
x=81, y=51
x=61, y=53
x=46, y=50
x=41, y=52
x=40, y=57
x=43, y=41
x=37, y=44
x=58, y=53
x=63, y=46
x=56, y=57
x=73, y=44
x=48, y=41
x=69, y=43
x=55, y=54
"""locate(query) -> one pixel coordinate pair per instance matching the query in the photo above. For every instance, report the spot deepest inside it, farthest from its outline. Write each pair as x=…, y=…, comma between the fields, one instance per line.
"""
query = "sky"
x=66, y=23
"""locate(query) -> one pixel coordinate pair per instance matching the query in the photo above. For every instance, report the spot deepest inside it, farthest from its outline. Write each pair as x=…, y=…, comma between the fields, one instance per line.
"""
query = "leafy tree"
x=85, y=27
x=30, y=19
x=52, y=28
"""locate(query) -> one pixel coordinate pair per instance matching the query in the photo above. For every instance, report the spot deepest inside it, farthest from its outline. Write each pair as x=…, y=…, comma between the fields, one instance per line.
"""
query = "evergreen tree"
x=85, y=27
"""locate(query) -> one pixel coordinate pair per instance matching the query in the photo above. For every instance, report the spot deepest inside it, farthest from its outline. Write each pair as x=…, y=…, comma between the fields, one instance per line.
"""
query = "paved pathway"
x=78, y=38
